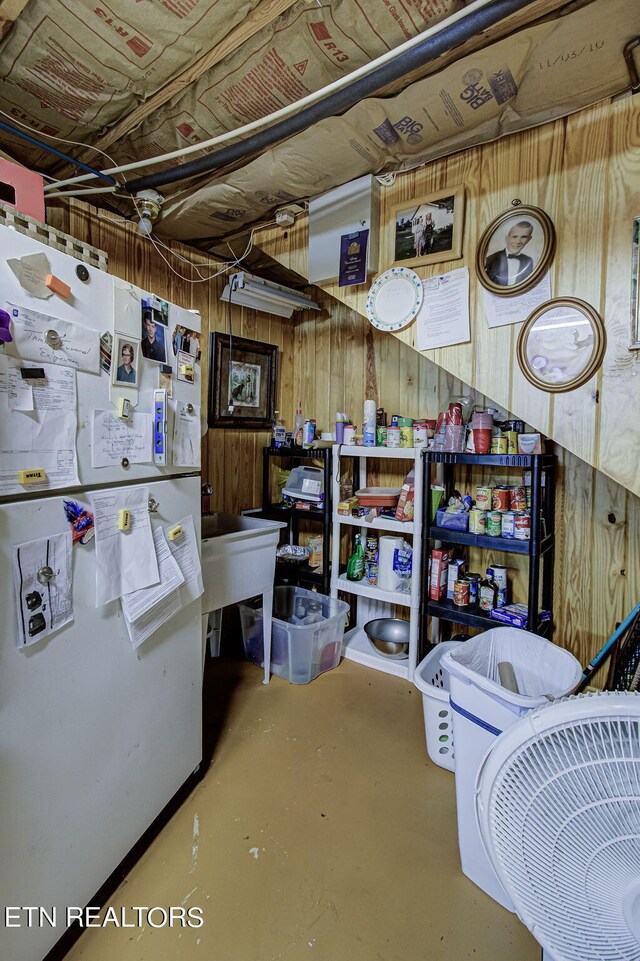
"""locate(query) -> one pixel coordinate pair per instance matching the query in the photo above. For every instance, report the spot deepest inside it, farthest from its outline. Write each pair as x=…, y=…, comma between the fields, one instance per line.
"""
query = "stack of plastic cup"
x=482, y=426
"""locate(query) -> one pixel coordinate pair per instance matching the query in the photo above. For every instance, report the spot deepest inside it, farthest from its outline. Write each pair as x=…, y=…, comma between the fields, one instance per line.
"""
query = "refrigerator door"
x=106, y=304
x=95, y=738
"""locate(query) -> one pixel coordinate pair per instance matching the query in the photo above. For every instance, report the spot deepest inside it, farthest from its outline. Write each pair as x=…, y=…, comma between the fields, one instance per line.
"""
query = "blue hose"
x=55, y=152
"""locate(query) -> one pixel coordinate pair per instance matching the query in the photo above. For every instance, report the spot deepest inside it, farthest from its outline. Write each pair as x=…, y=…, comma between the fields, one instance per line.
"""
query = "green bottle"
x=355, y=564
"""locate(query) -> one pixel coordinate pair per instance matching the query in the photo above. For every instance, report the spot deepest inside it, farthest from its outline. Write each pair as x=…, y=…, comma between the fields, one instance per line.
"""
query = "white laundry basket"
x=482, y=709
x=433, y=682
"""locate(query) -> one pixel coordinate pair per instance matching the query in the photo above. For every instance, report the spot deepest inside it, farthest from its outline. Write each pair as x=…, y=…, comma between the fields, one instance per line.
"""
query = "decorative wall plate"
x=394, y=299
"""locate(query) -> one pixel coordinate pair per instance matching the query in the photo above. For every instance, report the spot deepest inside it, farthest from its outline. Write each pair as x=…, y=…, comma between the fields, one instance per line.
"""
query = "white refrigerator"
x=96, y=736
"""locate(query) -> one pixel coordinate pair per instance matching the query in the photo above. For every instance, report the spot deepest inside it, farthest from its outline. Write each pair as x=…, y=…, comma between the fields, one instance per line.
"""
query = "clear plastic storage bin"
x=306, y=636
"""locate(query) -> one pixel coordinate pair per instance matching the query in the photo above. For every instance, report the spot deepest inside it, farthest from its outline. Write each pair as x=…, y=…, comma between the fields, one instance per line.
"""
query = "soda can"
x=477, y=521
x=500, y=498
x=499, y=445
x=461, y=593
x=522, y=526
x=474, y=587
x=494, y=524
x=508, y=524
x=517, y=498
x=483, y=498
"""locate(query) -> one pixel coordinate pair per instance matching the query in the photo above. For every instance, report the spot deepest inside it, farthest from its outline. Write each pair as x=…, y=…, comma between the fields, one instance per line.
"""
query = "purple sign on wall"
x=353, y=258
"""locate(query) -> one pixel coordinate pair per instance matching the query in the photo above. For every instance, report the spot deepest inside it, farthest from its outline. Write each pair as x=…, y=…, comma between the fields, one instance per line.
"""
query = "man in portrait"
x=152, y=344
x=510, y=266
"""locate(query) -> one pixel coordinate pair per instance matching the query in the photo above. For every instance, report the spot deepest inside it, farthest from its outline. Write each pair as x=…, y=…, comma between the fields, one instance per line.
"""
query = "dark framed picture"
x=124, y=364
x=515, y=251
x=635, y=287
x=561, y=344
x=242, y=383
x=153, y=345
x=427, y=230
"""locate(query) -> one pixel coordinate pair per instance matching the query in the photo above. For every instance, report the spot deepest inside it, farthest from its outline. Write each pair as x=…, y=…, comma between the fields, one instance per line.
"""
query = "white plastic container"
x=299, y=651
x=433, y=682
x=305, y=484
x=482, y=709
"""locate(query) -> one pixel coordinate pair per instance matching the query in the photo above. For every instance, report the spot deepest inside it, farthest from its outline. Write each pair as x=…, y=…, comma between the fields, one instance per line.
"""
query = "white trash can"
x=482, y=709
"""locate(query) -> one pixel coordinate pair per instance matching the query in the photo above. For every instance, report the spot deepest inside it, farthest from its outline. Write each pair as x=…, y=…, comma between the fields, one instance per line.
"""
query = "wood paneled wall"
x=584, y=170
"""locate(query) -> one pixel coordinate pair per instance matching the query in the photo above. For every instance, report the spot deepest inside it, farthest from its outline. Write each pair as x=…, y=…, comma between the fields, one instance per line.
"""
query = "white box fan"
x=558, y=803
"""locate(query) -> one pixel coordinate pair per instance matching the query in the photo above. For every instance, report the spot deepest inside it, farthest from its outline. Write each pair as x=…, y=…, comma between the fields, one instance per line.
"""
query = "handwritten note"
x=76, y=346
x=501, y=311
x=113, y=438
x=31, y=272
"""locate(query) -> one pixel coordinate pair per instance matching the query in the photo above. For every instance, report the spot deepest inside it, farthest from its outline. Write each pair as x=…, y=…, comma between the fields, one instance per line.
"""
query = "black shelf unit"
x=539, y=548
x=302, y=574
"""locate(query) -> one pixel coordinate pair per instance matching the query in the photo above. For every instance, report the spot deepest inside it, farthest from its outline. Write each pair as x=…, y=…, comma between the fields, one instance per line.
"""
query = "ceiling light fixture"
x=251, y=291
x=148, y=206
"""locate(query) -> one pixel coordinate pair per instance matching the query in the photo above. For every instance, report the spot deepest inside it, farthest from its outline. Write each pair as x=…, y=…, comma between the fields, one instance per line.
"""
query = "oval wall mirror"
x=561, y=344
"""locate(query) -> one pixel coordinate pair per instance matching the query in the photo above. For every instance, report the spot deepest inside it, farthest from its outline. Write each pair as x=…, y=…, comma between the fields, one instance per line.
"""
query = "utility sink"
x=239, y=561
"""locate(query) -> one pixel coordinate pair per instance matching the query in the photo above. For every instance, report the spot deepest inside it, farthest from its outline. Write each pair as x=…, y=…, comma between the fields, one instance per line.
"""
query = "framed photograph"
x=187, y=340
x=242, y=383
x=153, y=344
x=515, y=251
x=158, y=307
x=561, y=344
x=124, y=363
x=427, y=230
x=635, y=287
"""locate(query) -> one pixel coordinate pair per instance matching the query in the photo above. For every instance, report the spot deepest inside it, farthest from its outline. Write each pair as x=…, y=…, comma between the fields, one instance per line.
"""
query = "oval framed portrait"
x=561, y=344
x=515, y=251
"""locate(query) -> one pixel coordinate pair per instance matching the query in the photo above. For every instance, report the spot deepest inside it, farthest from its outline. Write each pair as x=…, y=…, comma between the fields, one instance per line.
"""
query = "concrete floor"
x=321, y=830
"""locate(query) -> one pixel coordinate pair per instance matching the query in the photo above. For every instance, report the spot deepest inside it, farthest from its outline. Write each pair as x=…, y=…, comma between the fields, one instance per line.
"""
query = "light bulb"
x=145, y=227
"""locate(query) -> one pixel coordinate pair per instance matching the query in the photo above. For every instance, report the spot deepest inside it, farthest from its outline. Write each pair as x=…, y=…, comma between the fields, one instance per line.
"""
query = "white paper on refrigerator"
x=31, y=272
x=149, y=623
x=43, y=605
x=36, y=440
x=186, y=435
x=125, y=560
x=185, y=551
x=501, y=311
x=443, y=318
x=137, y=603
x=79, y=345
x=113, y=438
x=55, y=391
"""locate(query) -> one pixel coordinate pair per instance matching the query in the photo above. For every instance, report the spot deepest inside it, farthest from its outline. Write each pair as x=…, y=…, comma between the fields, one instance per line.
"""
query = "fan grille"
x=565, y=822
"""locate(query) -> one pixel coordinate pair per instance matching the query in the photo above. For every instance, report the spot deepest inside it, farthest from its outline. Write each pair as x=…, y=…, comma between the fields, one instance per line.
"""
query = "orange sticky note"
x=57, y=286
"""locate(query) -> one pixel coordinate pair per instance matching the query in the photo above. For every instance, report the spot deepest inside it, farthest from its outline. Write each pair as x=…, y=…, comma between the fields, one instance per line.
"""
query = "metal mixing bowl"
x=389, y=636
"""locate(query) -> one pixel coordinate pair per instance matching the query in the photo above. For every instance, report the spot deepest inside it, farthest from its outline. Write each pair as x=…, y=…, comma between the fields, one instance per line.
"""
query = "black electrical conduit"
x=431, y=48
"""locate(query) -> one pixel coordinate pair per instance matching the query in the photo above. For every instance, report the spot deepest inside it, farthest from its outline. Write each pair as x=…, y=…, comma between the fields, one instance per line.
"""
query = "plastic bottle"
x=297, y=427
x=279, y=430
x=355, y=564
x=369, y=424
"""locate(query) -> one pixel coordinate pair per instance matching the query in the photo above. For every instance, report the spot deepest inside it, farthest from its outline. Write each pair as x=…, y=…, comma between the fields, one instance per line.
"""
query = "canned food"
x=500, y=576
x=371, y=572
x=393, y=437
x=381, y=436
x=477, y=521
x=499, y=445
x=474, y=587
x=420, y=435
x=349, y=435
x=522, y=526
x=494, y=524
x=508, y=524
x=528, y=492
x=500, y=498
x=517, y=499
x=461, y=593
x=512, y=441
x=371, y=548
x=483, y=498
x=406, y=436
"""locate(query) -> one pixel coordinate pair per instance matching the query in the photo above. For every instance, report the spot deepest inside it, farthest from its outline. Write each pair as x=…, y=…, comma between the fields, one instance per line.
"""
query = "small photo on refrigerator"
x=124, y=364
x=153, y=345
